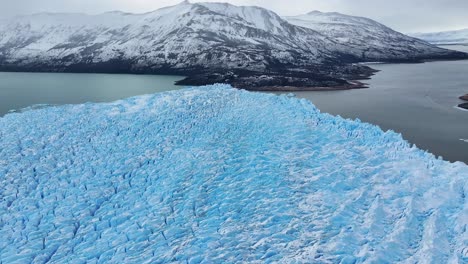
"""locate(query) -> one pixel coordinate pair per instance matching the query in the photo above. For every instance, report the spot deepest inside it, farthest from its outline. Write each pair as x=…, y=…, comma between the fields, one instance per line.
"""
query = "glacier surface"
x=218, y=175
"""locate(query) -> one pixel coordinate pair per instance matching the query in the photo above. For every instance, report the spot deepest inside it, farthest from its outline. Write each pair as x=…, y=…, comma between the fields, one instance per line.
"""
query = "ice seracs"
x=215, y=174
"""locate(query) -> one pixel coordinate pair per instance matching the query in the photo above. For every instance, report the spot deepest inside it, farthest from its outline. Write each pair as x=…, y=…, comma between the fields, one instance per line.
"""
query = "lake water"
x=20, y=90
x=417, y=100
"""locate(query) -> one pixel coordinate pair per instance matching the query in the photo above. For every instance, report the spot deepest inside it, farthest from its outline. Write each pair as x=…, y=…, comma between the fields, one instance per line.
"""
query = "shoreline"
x=351, y=86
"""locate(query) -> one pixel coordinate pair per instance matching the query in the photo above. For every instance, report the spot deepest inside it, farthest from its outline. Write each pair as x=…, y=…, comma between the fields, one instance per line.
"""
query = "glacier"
x=219, y=175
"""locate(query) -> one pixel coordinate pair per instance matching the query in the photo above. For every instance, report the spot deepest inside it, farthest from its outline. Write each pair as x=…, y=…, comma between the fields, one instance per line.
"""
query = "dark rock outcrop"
x=464, y=106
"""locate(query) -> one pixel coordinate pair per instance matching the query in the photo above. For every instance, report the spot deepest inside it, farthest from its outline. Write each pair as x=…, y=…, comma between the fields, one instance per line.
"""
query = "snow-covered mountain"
x=195, y=37
x=445, y=37
x=182, y=36
x=366, y=38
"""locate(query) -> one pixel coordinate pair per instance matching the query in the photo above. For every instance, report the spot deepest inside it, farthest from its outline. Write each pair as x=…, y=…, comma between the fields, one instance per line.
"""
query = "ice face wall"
x=216, y=174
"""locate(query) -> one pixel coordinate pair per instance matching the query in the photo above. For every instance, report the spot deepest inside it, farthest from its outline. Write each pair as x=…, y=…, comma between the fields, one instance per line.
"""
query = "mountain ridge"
x=459, y=36
x=368, y=39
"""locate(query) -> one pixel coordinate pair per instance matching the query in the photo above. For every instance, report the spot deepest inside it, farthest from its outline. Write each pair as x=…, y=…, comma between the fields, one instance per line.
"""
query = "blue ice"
x=219, y=175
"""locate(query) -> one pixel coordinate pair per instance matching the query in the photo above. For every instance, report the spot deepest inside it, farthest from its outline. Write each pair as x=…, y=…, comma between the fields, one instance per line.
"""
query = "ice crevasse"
x=218, y=175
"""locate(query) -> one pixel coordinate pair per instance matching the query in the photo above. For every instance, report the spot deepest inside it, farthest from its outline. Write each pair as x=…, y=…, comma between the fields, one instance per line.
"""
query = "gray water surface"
x=21, y=90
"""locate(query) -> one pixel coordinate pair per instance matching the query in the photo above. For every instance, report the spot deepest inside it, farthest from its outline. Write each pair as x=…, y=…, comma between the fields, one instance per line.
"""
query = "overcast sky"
x=403, y=15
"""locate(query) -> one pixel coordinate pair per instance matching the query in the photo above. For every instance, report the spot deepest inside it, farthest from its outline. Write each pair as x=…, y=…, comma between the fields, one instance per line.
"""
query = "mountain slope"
x=368, y=39
x=445, y=37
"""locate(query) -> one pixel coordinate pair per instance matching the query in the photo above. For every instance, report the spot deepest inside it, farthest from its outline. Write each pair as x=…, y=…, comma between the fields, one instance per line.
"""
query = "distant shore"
x=278, y=77
x=349, y=86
